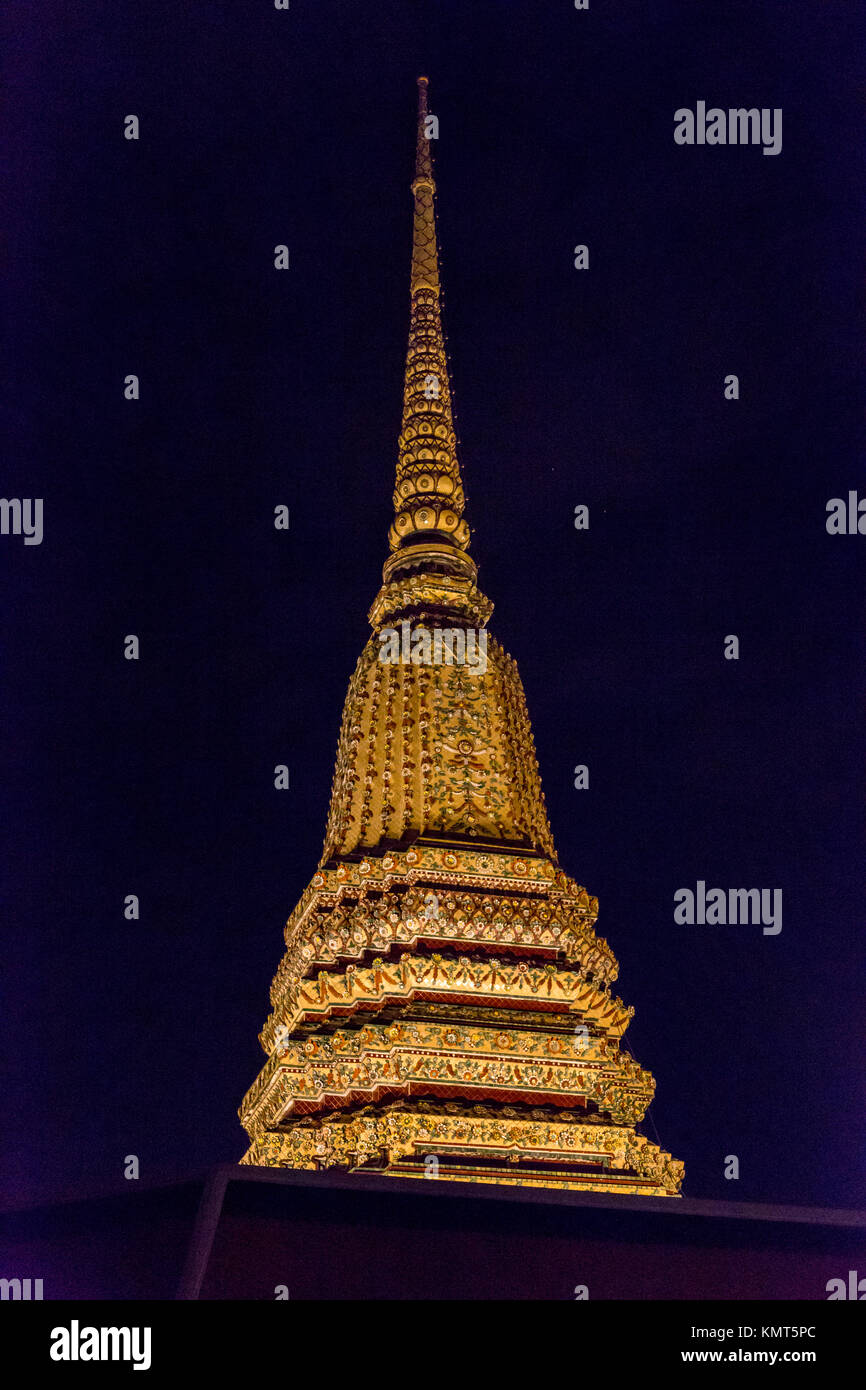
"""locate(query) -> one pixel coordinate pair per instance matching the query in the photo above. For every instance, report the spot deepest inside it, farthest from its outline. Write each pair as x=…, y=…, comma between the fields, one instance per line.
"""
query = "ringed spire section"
x=428, y=495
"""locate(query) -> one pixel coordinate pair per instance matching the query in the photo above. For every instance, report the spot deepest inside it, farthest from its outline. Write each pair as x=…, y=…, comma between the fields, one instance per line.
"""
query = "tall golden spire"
x=444, y=1004
x=428, y=497
x=425, y=259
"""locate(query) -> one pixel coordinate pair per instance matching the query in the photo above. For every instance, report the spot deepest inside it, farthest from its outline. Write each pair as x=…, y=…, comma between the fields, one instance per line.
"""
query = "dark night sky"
x=606, y=388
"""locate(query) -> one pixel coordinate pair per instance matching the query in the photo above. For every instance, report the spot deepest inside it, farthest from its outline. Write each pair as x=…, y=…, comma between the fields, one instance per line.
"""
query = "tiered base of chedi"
x=444, y=1004
x=449, y=1011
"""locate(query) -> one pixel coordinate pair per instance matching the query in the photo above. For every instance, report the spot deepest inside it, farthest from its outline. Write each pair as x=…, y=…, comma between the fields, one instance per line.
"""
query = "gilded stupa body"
x=444, y=1003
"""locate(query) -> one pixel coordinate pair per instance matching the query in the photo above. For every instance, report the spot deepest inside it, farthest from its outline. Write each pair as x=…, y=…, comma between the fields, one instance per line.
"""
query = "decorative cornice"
x=359, y=991
x=434, y=916
x=418, y=1057
x=554, y=1151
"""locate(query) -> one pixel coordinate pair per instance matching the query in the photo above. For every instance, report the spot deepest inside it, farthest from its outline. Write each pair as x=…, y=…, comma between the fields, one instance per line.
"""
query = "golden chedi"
x=444, y=1003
